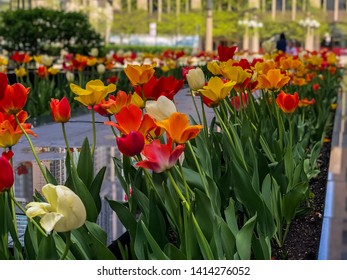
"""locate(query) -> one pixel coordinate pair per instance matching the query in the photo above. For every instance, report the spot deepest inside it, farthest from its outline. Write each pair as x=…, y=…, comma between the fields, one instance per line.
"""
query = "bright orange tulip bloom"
x=94, y=93
x=305, y=102
x=178, y=128
x=10, y=132
x=61, y=110
x=139, y=74
x=115, y=103
x=14, y=99
x=273, y=80
x=287, y=102
x=130, y=119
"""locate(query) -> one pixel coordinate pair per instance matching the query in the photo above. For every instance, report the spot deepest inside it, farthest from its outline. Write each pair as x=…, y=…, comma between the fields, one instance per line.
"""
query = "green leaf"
x=85, y=168
x=4, y=252
x=86, y=197
x=50, y=177
x=292, y=200
x=204, y=214
x=228, y=240
x=97, y=232
x=244, y=239
x=230, y=217
x=47, y=249
x=119, y=175
x=158, y=254
x=96, y=186
x=173, y=252
x=124, y=215
x=157, y=224
x=142, y=201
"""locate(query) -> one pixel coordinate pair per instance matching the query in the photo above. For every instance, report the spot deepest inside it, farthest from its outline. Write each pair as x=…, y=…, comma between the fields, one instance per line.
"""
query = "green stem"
x=67, y=145
x=33, y=150
x=94, y=132
x=285, y=232
x=113, y=130
x=199, y=170
x=178, y=191
x=204, y=118
x=67, y=245
x=23, y=210
x=196, y=107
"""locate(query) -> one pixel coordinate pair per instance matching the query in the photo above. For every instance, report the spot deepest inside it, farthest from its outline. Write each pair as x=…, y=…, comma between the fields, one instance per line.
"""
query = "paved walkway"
x=333, y=245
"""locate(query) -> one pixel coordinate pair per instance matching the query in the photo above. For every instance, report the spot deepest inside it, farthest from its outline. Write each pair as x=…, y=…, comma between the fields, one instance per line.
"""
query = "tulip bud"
x=70, y=76
x=196, y=79
x=6, y=174
x=61, y=110
x=101, y=68
x=131, y=144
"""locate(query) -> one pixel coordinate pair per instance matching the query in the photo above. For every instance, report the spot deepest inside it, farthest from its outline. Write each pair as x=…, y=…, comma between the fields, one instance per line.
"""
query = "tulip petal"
x=49, y=221
x=78, y=90
x=37, y=209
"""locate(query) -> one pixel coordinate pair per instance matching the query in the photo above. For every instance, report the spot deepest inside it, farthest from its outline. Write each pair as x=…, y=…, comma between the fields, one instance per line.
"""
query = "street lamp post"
x=209, y=27
x=310, y=25
x=254, y=25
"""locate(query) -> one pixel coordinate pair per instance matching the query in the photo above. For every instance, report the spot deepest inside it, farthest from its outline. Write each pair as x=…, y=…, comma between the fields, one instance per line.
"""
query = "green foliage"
x=47, y=27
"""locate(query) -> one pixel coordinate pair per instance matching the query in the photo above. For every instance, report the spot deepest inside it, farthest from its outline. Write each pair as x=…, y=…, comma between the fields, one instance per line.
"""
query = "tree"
x=37, y=29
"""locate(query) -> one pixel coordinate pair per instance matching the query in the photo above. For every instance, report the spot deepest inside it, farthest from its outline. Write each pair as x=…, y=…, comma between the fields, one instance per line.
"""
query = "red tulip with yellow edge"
x=10, y=132
x=287, y=102
x=61, y=110
x=115, y=103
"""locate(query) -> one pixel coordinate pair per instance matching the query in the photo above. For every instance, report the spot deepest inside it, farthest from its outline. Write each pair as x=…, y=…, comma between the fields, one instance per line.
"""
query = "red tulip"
x=14, y=99
x=131, y=144
x=61, y=110
x=160, y=157
x=3, y=84
x=6, y=174
x=287, y=102
x=226, y=53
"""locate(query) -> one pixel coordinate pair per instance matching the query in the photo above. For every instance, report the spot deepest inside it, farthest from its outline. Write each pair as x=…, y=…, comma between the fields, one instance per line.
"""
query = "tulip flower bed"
x=229, y=188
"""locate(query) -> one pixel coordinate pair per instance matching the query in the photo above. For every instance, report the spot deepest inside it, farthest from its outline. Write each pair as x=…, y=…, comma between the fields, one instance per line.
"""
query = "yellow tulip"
x=216, y=89
x=20, y=72
x=63, y=211
x=94, y=93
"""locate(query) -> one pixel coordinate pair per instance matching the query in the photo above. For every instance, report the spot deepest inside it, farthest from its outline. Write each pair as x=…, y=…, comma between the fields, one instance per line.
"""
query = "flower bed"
x=225, y=189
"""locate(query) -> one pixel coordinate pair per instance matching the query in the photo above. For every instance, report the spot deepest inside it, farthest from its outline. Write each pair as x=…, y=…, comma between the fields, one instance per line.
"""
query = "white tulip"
x=101, y=68
x=196, y=79
x=160, y=109
x=63, y=211
x=70, y=76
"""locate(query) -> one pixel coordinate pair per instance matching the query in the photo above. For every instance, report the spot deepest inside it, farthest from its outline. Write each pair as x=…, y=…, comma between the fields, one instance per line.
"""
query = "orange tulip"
x=287, y=102
x=305, y=102
x=178, y=128
x=273, y=80
x=139, y=74
x=61, y=110
x=14, y=98
x=10, y=132
x=130, y=119
x=115, y=103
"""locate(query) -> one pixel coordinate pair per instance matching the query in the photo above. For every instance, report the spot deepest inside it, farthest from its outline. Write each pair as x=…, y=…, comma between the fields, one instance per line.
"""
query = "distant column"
x=336, y=10
x=294, y=10
x=195, y=4
x=160, y=9
x=273, y=9
x=209, y=27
